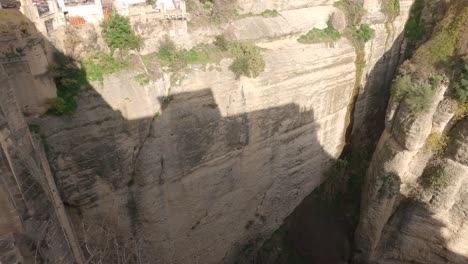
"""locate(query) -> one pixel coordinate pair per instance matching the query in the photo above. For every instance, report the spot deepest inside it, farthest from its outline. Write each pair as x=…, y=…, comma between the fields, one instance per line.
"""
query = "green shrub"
x=118, y=33
x=178, y=60
x=434, y=177
x=221, y=42
x=248, y=60
x=364, y=32
x=436, y=79
x=329, y=34
x=414, y=28
x=461, y=90
x=436, y=142
x=391, y=8
x=69, y=79
x=461, y=87
x=142, y=79
x=101, y=64
x=57, y=106
x=208, y=5
x=461, y=111
x=270, y=13
x=167, y=49
x=416, y=94
x=419, y=97
x=401, y=86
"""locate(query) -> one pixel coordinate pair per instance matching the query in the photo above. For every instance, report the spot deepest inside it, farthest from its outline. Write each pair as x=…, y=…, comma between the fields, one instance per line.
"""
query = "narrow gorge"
x=243, y=131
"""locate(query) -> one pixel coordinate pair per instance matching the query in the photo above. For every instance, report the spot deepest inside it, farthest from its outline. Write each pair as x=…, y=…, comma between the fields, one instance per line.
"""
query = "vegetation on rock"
x=328, y=35
x=391, y=8
x=363, y=32
x=100, y=64
x=142, y=79
x=461, y=87
x=354, y=11
x=270, y=13
x=434, y=177
x=436, y=142
x=444, y=40
x=118, y=33
x=416, y=94
x=248, y=60
x=69, y=78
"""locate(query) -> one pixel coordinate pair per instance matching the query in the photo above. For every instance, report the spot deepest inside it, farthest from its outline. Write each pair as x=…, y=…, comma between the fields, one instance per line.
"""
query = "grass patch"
x=391, y=9
x=270, y=13
x=142, y=79
x=328, y=35
x=437, y=142
x=100, y=64
x=416, y=94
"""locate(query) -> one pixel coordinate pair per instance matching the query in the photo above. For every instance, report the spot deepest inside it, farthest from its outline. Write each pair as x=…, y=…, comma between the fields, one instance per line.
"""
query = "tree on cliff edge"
x=118, y=34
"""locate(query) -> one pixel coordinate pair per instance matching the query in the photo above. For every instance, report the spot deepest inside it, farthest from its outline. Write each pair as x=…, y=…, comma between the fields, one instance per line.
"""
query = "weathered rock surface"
x=414, y=204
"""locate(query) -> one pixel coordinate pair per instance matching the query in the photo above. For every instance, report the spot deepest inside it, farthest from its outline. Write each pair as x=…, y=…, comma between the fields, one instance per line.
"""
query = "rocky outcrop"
x=404, y=218
x=414, y=203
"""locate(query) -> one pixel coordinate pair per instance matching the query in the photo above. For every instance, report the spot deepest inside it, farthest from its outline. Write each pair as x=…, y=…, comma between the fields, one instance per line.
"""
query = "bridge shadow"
x=183, y=184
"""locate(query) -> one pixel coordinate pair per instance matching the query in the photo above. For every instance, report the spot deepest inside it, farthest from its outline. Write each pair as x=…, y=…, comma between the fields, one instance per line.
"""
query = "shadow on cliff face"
x=414, y=234
x=186, y=172
x=321, y=229
x=184, y=185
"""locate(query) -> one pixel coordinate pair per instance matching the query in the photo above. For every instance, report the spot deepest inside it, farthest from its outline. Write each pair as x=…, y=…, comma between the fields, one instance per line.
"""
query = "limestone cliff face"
x=189, y=173
x=403, y=221
x=415, y=200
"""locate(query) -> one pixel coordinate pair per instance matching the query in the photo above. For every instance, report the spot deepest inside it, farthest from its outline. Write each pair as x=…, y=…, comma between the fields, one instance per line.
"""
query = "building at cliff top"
x=48, y=15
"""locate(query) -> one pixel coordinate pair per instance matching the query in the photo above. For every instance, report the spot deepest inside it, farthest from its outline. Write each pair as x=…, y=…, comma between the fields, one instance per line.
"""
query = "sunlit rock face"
x=190, y=172
x=414, y=202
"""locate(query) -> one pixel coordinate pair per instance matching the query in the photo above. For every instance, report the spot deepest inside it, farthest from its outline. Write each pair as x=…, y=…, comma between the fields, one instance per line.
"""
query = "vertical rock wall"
x=27, y=194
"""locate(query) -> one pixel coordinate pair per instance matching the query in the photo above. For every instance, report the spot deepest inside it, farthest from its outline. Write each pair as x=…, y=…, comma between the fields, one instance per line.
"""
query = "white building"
x=90, y=10
x=48, y=15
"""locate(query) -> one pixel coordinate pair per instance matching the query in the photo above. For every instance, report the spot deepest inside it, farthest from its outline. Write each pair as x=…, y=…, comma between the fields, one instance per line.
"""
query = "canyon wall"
x=34, y=227
x=191, y=171
x=414, y=203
